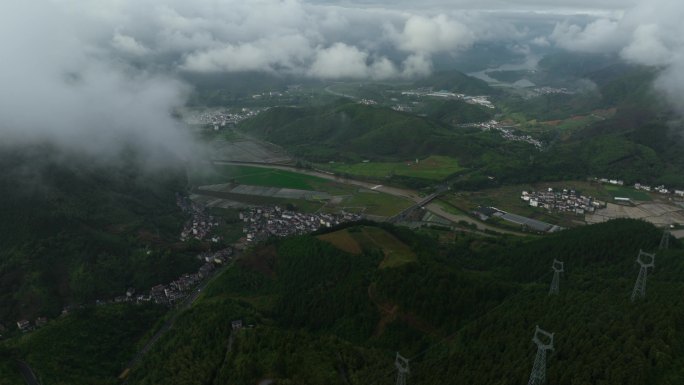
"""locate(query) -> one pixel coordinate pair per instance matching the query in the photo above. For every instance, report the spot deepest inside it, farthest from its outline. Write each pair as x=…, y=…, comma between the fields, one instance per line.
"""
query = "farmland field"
x=628, y=192
x=432, y=168
x=355, y=240
x=375, y=203
x=343, y=196
x=268, y=177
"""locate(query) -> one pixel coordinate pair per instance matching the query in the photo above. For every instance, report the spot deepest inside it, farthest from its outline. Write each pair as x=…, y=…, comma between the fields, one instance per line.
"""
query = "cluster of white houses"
x=221, y=119
x=264, y=222
x=642, y=187
x=659, y=189
x=200, y=224
x=566, y=200
x=481, y=100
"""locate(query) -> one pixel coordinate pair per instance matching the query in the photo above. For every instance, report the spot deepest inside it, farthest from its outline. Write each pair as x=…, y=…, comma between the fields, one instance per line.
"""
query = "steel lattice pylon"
x=538, y=375
x=402, y=365
x=555, y=282
x=639, y=291
x=665, y=241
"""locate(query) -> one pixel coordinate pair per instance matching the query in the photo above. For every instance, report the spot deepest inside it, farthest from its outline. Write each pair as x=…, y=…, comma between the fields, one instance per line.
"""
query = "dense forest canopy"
x=76, y=229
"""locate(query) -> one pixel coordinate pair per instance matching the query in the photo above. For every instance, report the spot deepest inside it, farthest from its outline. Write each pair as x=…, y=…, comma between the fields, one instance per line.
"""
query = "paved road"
x=27, y=373
x=396, y=191
x=406, y=212
x=438, y=210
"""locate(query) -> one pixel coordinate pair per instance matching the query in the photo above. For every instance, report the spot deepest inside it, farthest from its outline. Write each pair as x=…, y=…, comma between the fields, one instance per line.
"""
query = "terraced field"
x=355, y=240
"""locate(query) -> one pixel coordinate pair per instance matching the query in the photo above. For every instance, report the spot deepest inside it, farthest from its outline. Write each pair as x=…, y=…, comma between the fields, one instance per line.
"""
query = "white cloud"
x=128, y=45
x=540, y=41
x=65, y=90
x=416, y=66
x=647, y=46
x=650, y=33
x=342, y=61
x=598, y=36
x=427, y=35
x=267, y=54
x=285, y=36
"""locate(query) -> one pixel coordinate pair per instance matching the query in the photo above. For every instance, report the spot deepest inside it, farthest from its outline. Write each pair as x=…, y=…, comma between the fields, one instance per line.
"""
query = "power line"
x=538, y=375
x=450, y=336
x=639, y=290
x=402, y=365
x=665, y=241
x=557, y=268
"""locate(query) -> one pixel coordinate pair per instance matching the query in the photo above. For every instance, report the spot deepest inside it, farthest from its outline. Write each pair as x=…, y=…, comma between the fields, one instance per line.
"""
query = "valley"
x=418, y=215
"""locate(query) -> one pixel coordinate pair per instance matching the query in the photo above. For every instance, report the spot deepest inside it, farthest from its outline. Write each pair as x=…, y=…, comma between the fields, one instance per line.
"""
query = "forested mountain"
x=456, y=112
x=464, y=310
x=75, y=229
x=456, y=81
x=350, y=131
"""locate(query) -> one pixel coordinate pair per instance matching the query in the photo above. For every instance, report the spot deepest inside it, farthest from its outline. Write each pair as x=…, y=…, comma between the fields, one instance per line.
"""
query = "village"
x=505, y=131
x=428, y=92
x=219, y=119
x=264, y=222
x=260, y=223
x=566, y=200
x=643, y=187
x=200, y=224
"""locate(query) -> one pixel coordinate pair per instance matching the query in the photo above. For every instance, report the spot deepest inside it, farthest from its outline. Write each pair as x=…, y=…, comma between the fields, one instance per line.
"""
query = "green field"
x=432, y=168
x=258, y=176
x=356, y=240
x=351, y=198
x=375, y=203
x=627, y=192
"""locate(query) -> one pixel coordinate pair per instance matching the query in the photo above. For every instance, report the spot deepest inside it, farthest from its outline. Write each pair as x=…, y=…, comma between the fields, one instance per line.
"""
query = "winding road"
x=187, y=303
x=27, y=372
x=420, y=201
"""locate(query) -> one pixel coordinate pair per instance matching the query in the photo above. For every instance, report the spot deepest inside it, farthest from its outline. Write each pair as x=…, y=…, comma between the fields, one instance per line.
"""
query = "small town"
x=222, y=119
x=428, y=92
x=506, y=132
x=566, y=200
x=264, y=222
x=539, y=91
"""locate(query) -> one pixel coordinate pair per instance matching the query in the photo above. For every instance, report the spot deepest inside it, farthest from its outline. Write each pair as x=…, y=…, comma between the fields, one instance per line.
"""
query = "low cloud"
x=291, y=37
x=61, y=88
x=650, y=33
x=128, y=45
x=428, y=35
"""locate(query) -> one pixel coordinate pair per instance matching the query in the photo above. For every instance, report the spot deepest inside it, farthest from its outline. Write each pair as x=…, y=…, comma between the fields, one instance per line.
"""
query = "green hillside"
x=456, y=81
x=353, y=132
x=456, y=112
x=456, y=307
x=349, y=129
x=75, y=230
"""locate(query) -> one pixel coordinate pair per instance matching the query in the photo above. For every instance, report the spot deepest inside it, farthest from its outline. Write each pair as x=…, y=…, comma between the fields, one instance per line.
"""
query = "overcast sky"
x=563, y=6
x=107, y=69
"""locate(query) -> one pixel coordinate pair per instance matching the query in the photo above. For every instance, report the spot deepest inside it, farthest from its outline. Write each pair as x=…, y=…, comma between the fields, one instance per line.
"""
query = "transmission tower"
x=665, y=240
x=557, y=269
x=538, y=376
x=402, y=365
x=640, y=285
